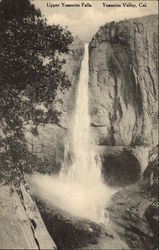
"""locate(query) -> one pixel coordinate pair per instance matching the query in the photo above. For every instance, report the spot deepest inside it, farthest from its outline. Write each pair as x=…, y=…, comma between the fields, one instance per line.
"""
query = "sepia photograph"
x=79, y=150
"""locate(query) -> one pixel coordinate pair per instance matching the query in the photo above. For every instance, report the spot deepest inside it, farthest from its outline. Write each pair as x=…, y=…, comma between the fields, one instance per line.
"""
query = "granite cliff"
x=123, y=82
x=124, y=119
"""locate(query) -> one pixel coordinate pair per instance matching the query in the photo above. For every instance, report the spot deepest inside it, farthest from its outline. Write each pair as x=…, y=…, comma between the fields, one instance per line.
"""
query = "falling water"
x=84, y=169
x=79, y=189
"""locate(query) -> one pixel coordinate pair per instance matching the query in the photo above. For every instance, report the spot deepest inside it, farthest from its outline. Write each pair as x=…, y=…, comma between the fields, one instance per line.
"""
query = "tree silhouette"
x=30, y=74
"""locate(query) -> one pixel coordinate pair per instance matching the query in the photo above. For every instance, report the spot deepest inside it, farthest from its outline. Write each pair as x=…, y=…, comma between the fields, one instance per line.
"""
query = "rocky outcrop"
x=21, y=225
x=123, y=165
x=50, y=143
x=152, y=217
x=134, y=209
x=151, y=173
x=150, y=179
x=127, y=212
x=123, y=82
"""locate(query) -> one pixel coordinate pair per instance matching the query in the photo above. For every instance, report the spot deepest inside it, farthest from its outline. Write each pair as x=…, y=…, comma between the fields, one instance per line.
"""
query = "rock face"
x=21, y=225
x=127, y=213
x=123, y=165
x=123, y=82
x=134, y=209
x=150, y=178
x=151, y=173
x=151, y=214
x=49, y=144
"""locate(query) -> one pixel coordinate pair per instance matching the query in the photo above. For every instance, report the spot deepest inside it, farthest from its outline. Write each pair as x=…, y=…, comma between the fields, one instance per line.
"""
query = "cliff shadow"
x=120, y=167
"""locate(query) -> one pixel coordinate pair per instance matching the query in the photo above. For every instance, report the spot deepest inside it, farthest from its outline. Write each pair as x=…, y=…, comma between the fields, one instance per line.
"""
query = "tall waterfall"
x=84, y=175
x=79, y=188
x=85, y=169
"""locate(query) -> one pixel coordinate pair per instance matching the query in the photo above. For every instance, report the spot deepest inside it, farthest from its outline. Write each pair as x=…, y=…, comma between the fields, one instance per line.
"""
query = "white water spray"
x=79, y=188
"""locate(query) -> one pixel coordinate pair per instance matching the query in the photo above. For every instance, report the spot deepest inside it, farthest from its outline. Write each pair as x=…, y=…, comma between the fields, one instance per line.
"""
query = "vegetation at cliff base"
x=30, y=74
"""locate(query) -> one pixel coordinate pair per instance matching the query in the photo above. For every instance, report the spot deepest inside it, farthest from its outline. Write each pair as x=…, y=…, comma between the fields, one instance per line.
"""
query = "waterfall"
x=79, y=189
x=84, y=175
x=85, y=168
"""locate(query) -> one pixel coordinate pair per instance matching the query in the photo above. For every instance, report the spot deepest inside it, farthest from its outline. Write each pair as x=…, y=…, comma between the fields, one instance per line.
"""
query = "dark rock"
x=151, y=173
x=121, y=170
x=122, y=165
x=150, y=180
x=127, y=210
x=152, y=216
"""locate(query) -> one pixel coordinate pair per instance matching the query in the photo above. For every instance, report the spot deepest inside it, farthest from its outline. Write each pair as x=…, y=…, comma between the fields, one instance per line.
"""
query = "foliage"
x=30, y=74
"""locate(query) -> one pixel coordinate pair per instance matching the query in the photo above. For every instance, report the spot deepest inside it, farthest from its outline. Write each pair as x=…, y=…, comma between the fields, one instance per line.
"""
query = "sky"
x=85, y=21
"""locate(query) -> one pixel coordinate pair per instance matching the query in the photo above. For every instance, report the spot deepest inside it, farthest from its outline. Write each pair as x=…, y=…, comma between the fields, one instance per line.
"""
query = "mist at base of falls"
x=79, y=188
x=74, y=198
